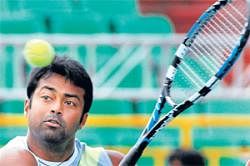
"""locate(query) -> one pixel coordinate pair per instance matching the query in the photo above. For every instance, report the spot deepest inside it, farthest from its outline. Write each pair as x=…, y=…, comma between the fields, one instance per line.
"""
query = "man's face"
x=56, y=109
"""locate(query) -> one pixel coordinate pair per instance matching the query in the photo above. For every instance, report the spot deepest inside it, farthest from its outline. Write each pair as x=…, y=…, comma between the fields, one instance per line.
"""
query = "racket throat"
x=166, y=93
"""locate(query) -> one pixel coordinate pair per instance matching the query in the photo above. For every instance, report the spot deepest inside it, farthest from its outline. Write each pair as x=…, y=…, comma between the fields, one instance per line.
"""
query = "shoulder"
x=17, y=156
x=16, y=153
x=115, y=156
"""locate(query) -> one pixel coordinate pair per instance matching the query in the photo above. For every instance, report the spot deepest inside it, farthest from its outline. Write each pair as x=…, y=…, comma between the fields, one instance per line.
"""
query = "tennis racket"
x=211, y=47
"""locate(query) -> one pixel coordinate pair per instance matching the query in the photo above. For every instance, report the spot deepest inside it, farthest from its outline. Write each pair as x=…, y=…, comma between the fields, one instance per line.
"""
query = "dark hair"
x=71, y=70
x=187, y=157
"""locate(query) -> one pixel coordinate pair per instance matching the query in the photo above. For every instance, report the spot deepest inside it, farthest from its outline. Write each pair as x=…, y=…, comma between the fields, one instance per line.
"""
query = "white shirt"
x=93, y=156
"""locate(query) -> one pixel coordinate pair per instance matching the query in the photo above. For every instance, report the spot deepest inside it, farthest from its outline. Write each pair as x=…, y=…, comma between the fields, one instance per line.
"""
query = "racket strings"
x=193, y=77
x=223, y=43
x=207, y=43
x=226, y=38
x=226, y=34
x=220, y=42
x=231, y=21
x=228, y=29
x=205, y=60
x=219, y=28
x=240, y=14
x=213, y=45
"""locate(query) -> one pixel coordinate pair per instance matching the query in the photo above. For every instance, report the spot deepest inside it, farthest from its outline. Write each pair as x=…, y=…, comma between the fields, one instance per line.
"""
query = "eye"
x=70, y=103
x=46, y=97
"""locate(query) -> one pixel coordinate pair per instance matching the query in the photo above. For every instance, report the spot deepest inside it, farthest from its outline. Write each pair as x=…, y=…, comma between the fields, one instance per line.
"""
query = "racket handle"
x=134, y=154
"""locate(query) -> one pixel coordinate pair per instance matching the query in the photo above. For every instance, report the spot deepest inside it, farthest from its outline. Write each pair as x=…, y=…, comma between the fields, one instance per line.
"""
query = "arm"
x=18, y=157
x=115, y=157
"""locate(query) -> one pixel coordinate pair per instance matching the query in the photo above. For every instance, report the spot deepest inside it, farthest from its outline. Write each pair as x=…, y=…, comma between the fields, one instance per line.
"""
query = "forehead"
x=60, y=84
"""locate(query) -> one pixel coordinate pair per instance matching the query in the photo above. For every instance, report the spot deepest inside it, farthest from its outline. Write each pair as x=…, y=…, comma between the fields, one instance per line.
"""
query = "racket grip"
x=134, y=154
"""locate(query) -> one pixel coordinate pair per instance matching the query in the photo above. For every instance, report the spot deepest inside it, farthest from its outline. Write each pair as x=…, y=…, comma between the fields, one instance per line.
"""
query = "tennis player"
x=185, y=157
x=59, y=97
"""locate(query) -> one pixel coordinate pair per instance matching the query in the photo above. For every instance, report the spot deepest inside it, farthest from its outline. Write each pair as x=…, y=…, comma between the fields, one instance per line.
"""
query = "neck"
x=51, y=151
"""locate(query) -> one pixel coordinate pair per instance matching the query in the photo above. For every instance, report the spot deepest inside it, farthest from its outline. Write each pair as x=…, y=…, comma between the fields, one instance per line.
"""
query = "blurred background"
x=126, y=46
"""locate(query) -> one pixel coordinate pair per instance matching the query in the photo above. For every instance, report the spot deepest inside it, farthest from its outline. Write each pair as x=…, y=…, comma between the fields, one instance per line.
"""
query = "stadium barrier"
x=112, y=61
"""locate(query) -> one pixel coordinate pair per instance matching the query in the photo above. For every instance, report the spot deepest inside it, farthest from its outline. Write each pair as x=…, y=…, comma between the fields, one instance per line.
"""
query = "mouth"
x=52, y=123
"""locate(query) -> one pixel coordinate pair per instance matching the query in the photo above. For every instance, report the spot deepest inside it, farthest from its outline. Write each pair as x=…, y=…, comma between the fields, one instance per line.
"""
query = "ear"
x=84, y=119
x=27, y=107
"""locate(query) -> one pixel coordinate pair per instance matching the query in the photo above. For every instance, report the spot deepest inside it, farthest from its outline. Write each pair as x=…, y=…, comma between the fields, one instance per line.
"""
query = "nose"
x=56, y=108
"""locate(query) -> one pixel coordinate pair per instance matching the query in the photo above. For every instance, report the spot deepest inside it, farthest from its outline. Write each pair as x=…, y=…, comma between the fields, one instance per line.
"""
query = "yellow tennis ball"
x=38, y=53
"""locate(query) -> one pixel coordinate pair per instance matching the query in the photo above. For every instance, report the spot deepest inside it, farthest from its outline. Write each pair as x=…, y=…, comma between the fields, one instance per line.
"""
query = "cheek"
x=36, y=112
x=72, y=118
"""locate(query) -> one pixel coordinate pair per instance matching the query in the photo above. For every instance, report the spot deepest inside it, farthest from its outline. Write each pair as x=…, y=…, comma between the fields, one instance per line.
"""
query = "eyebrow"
x=48, y=88
x=72, y=95
x=68, y=95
